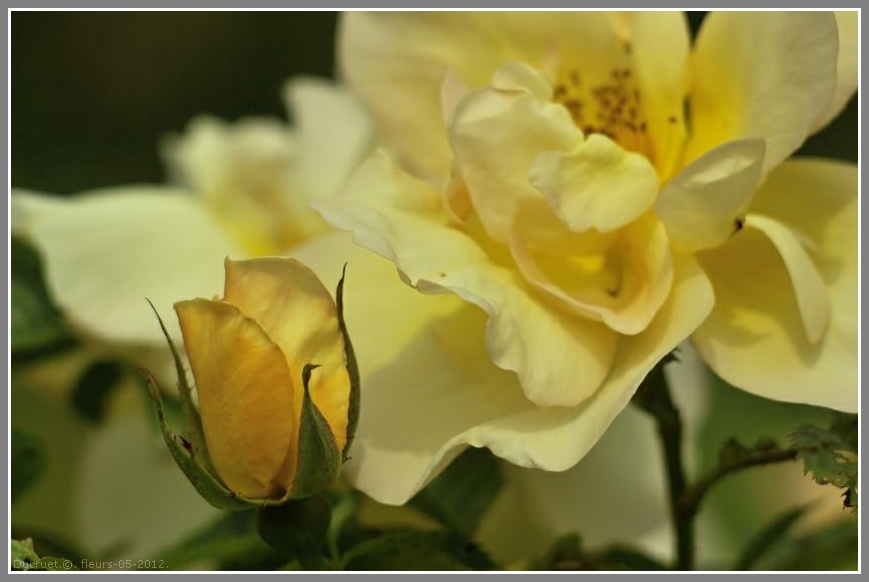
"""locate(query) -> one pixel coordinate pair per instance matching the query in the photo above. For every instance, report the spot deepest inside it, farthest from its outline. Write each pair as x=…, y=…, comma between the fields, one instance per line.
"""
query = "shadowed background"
x=93, y=92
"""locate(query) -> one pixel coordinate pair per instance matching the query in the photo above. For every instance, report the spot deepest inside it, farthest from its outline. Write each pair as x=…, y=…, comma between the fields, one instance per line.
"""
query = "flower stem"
x=653, y=396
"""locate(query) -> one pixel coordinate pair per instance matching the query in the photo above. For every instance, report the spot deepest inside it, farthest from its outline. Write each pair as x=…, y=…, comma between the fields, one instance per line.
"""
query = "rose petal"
x=811, y=294
x=595, y=185
x=396, y=62
x=560, y=360
x=706, y=202
x=761, y=74
x=334, y=135
x=246, y=396
x=242, y=171
x=129, y=243
x=660, y=47
x=411, y=434
x=755, y=338
x=496, y=134
x=847, y=66
x=622, y=284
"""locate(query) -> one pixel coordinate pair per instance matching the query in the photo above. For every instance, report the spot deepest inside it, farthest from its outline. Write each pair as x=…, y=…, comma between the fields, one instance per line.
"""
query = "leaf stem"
x=689, y=503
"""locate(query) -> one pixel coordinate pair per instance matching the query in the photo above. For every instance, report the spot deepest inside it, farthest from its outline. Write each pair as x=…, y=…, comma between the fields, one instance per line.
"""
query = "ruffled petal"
x=560, y=360
x=622, y=284
x=129, y=243
x=762, y=74
x=424, y=377
x=246, y=396
x=706, y=202
x=556, y=438
x=595, y=185
x=299, y=315
x=410, y=434
x=756, y=338
x=496, y=134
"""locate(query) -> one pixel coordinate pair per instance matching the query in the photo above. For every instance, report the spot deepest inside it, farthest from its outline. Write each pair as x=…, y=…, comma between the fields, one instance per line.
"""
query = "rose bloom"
x=596, y=188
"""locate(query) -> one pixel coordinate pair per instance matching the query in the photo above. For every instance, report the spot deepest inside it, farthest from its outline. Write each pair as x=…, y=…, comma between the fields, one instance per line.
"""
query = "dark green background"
x=93, y=92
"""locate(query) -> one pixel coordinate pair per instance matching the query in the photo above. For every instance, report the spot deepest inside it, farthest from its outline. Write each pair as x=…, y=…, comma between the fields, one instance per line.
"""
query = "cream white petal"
x=243, y=173
x=808, y=286
x=334, y=135
x=761, y=74
x=706, y=202
x=615, y=493
x=756, y=338
x=106, y=251
x=847, y=66
x=595, y=185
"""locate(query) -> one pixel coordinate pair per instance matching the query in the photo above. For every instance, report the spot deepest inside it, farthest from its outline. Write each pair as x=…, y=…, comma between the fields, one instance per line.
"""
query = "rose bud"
x=276, y=382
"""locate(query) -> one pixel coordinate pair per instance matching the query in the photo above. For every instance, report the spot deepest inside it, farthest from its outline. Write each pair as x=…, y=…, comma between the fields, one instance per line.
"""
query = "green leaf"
x=623, y=558
x=459, y=497
x=830, y=455
x=34, y=321
x=297, y=527
x=90, y=396
x=27, y=461
x=22, y=550
x=566, y=553
x=352, y=369
x=319, y=460
x=835, y=547
x=231, y=537
x=24, y=558
x=416, y=550
x=768, y=537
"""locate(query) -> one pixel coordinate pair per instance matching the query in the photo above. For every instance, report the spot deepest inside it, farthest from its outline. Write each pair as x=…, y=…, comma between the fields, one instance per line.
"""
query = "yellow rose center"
x=612, y=108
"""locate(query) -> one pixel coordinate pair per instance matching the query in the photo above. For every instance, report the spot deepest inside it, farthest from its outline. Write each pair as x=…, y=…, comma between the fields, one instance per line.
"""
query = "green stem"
x=692, y=497
x=653, y=396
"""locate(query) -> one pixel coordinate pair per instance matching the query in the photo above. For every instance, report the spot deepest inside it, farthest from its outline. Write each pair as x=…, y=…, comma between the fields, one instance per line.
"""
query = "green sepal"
x=319, y=461
x=190, y=453
x=352, y=369
x=194, y=422
x=210, y=488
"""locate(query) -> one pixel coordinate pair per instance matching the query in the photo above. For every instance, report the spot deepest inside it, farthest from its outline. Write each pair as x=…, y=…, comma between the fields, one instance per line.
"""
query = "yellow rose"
x=276, y=381
x=602, y=190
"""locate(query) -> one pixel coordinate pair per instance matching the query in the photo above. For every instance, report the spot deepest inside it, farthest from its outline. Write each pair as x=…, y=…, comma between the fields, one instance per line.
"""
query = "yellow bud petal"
x=246, y=396
x=291, y=304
